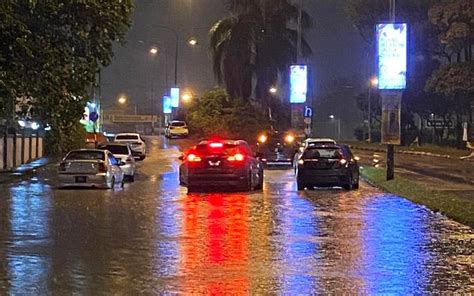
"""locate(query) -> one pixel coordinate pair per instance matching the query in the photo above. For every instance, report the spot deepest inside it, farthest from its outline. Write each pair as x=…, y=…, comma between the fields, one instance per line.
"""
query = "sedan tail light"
x=193, y=158
x=102, y=168
x=238, y=157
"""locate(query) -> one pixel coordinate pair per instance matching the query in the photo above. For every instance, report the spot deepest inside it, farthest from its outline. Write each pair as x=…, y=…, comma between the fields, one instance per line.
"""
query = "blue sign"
x=298, y=84
x=392, y=56
x=174, y=97
x=308, y=112
x=167, y=109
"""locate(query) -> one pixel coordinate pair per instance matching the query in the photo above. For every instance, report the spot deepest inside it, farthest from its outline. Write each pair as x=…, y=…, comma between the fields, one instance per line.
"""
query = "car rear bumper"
x=323, y=177
x=215, y=180
x=128, y=169
x=69, y=180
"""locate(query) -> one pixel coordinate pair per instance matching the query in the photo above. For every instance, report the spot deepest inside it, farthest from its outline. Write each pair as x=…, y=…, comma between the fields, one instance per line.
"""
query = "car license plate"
x=81, y=179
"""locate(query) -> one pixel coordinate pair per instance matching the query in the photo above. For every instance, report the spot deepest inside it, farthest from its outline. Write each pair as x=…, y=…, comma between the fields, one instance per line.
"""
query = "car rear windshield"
x=205, y=149
x=178, y=123
x=116, y=149
x=86, y=155
x=126, y=137
x=325, y=153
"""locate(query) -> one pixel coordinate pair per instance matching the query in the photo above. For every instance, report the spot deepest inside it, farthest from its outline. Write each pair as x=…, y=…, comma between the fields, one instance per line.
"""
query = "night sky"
x=338, y=50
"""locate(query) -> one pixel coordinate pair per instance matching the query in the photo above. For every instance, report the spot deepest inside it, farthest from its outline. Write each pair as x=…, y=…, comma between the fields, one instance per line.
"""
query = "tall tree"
x=51, y=52
x=256, y=43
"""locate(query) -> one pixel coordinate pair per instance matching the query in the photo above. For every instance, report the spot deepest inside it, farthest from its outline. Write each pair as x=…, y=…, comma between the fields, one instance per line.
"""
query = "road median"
x=455, y=207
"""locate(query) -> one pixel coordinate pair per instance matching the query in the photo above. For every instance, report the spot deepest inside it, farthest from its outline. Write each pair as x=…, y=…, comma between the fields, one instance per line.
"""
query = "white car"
x=137, y=143
x=90, y=168
x=310, y=142
x=177, y=128
x=123, y=153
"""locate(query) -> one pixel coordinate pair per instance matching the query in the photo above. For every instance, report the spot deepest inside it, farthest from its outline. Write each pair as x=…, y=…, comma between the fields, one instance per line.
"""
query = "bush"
x=58, y=142
x=215, y=114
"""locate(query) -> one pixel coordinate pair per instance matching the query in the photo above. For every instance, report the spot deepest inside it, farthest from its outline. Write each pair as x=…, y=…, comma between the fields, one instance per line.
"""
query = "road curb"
x=467, y=158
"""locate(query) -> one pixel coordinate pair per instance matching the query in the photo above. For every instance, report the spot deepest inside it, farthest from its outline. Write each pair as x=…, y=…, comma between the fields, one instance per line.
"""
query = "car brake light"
x=216, y=145
x=193, y=158
x=102, y=168
x=236, y=157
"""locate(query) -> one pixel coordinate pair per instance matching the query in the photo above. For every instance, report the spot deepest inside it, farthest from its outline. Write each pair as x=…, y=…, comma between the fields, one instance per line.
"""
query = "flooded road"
x=152, y=238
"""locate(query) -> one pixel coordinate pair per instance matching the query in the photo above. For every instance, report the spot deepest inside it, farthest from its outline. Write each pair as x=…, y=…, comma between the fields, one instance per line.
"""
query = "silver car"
x=90, y=168
x=123, y=153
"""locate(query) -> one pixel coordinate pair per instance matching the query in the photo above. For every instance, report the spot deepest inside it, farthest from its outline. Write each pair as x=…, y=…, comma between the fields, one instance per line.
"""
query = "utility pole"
x=390, y=147
x=300, y=32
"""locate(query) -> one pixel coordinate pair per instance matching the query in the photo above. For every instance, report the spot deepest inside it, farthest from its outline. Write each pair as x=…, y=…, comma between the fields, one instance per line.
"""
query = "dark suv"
x=223, y=163
x=276, y=148
x=327, y=165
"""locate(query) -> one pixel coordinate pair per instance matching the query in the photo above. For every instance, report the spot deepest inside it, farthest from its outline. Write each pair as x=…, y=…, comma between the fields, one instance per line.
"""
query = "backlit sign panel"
x=174, y=94
x=392, y=56
x=167, y=109
x=298, y=83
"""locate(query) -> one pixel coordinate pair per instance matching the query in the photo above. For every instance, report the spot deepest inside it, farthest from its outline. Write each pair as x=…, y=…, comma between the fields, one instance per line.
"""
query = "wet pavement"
x=152, y=238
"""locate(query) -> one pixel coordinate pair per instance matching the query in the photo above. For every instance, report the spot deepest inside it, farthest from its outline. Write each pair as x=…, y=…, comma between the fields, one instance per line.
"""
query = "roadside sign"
x=307, y=131
x=439, y=123
x=117, y=118
x=307, y=120
x=93, y=116
x=308, y=112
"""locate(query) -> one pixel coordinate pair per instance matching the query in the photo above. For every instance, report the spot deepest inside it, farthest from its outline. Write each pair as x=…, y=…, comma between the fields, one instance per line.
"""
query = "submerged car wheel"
x=300, y=186
x=350, y=183
x=112, y=183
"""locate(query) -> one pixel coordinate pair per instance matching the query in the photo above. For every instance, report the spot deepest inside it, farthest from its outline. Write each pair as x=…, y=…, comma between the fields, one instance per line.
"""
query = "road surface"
x=151, y=237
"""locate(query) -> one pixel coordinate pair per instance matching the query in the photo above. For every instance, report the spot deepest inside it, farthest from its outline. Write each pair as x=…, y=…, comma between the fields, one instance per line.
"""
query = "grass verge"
x=456, y=208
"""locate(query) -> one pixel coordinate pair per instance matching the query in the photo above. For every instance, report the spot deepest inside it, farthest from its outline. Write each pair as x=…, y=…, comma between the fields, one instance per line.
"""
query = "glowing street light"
x=193, y=41
x=122, y=100
x=273, y=90
x=374, y=81
x=332, y=116
x=153, y=51
x=187, y=97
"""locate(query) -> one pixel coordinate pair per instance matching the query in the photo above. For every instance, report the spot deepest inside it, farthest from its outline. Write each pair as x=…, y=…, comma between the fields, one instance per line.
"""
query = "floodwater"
x=153, y=238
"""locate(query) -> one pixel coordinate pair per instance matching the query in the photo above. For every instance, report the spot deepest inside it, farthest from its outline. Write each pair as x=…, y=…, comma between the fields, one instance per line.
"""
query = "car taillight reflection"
x=216, y=145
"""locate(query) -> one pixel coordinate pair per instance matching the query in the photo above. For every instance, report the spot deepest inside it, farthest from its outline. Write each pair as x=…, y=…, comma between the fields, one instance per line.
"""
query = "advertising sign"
x=167, y=108
x=174, y=94
x=91, y=117
x=392, y=56
x=298, y=84
x=391, y=112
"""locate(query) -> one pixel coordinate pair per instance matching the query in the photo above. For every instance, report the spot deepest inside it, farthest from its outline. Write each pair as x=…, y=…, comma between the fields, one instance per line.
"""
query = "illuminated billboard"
x=174, y=94
x=91, y=117
x=298, y=83
x=392, y=56
x=167, y=108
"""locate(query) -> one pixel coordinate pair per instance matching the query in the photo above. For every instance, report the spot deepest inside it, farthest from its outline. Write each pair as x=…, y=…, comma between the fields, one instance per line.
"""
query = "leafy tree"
x=215, y=113
x=258, y=41
x=50, y=55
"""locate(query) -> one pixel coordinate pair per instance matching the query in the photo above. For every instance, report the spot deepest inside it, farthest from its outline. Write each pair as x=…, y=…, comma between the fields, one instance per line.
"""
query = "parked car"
x=90, y=168
x=122, y=152
x=176, y=128
x=137, y=143
x=277, y=148
x=327, y=165
x=307, y=143
x=92, y=139
x=229, y=163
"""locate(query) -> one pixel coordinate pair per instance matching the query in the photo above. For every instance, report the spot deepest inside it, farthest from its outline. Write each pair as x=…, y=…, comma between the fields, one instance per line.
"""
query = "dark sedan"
x=221, y=163
x=327, y=165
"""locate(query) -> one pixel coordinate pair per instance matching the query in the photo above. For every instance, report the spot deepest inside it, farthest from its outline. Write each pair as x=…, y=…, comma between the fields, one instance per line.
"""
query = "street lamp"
x=193, y=41
x=372, y=84
x=153, y=51
x=273, y=90
x=338, y=125
x=187, y=97
x=122, y=100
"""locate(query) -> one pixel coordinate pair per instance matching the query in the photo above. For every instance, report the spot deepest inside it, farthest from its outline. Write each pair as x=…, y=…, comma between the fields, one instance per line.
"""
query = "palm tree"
x=256, y=43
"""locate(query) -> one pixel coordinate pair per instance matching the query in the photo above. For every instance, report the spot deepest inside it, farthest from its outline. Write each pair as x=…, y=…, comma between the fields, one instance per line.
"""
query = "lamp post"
x=338, y=125
x=372, y=83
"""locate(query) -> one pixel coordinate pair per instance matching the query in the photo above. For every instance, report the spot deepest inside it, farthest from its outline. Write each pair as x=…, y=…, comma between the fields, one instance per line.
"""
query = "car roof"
x=127, y=134
x=87, y=150
x=315, y=140
x=114, y=144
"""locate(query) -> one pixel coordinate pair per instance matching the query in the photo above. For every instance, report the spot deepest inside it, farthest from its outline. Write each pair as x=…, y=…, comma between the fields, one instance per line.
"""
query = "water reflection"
x=28, y=261
x=215, y=246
